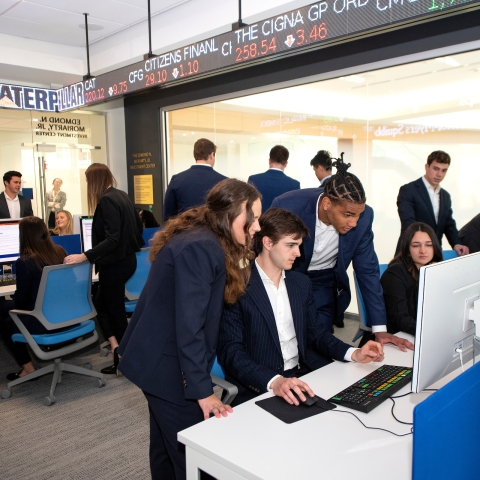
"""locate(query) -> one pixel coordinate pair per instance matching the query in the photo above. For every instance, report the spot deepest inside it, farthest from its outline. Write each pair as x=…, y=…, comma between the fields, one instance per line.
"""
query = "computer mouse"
x=309, y=400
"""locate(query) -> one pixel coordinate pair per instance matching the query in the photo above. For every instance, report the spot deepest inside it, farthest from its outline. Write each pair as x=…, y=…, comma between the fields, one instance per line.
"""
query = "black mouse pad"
x=287, y=413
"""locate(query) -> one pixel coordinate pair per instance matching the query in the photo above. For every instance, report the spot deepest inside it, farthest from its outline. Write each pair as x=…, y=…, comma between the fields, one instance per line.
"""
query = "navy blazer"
x=25, y=206
x=189, y=189
x=248, y=344
x=271, y=184
x=414, y=205
x=355, y=246
x=169, y=346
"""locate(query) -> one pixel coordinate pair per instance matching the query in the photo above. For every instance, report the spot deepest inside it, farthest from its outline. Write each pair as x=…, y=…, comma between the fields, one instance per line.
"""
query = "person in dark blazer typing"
x=419, y=247
x=169, y=346
x=189, y=188
x=116, y=236
x=274, y=182
x=272, y=335
x=425, y=201
x=341, y=226
x=12, y=204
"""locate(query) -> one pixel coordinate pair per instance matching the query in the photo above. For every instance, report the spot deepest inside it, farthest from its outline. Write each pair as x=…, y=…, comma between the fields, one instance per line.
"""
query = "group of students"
x=268, y=319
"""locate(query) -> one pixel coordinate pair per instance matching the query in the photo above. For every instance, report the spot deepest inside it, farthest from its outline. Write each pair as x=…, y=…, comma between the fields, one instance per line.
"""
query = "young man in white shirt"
x=273, y=334
x=425, y=201
x=13, y=205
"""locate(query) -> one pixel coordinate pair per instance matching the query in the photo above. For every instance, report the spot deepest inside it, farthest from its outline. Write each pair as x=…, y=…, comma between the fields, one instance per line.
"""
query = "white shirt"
x=322, y=183
x=284, y=319
x=434, y=194
x=13, y=206
x=325, y=249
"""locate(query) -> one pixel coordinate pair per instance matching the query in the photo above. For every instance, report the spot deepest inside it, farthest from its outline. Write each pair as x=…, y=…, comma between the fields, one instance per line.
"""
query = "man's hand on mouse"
x=282, y=387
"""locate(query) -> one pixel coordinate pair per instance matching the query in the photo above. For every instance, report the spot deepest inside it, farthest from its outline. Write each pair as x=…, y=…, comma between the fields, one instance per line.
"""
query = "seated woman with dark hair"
x=36, y=251
x=419, y=247
x=148, y=219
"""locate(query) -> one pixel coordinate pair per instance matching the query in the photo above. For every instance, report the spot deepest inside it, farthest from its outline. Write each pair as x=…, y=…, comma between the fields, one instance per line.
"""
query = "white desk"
x=252, y=444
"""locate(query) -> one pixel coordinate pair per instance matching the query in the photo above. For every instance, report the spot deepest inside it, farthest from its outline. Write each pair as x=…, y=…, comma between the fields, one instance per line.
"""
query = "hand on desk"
x=77, y=258
x=401, y=343
x=370, y=352
x=212, y=405
x=282, y=387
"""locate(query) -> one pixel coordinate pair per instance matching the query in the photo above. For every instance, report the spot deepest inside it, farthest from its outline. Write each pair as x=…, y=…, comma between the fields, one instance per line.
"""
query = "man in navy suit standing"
x=425, y=201
x=322, y=166
x=12, y=204
x=341, y=226
x=272, y=335
x=274, y=182
x=189, y=188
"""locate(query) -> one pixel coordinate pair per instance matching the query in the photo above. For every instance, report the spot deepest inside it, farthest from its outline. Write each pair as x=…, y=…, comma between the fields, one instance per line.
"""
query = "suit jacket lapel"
x=310, y=219
x=422, y=190
x=5, y=212
x=297, y=313
x=256, y=291
x=442, y=210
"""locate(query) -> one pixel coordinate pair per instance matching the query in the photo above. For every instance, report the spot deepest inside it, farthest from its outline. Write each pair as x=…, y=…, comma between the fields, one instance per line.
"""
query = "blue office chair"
x=135, y=284
x=148, y=234
x=63, y=301
x=218, y=378
x=449, y=254
x=133, y=289
x=362, y=312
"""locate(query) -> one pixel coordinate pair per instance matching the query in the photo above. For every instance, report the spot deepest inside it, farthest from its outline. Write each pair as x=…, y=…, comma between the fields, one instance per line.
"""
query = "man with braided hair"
x=341, y=226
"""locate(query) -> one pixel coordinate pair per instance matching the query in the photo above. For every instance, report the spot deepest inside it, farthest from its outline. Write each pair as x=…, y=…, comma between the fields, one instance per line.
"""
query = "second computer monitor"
x=86, y=232
x=444, y=337
x=9, y=240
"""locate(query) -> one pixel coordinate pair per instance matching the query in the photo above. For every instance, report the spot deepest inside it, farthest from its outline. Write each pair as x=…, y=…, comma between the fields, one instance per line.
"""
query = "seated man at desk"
x=273, y=334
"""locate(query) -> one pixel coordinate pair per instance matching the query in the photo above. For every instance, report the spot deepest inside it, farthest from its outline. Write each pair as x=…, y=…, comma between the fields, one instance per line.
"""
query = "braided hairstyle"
x=344, y=185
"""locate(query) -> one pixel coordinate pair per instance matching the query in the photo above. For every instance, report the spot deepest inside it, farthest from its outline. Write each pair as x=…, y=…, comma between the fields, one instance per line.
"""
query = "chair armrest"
x=21, y=312
x=231, y=389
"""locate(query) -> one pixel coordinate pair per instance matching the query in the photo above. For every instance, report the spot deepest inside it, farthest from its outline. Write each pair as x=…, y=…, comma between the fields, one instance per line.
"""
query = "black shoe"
x=112, y=369
x=16, y=376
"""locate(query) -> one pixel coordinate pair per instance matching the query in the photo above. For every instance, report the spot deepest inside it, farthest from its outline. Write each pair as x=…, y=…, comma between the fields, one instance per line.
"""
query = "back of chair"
x=135, y=284
x=449, y=254
x=64, y=297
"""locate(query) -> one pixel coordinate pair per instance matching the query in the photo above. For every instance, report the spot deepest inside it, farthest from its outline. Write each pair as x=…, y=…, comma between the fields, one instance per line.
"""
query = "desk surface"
x=256, y=445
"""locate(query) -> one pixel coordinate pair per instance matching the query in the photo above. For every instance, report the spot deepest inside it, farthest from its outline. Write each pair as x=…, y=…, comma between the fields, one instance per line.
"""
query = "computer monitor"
x=86, y=232
x=446, y=295
x=9, y=240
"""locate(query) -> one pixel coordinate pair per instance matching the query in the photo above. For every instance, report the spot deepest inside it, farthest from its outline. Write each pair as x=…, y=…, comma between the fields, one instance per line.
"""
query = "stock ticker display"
x=298, y=29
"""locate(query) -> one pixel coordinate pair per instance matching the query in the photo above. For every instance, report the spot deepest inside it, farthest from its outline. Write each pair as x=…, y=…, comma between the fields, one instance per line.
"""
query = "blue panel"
x=71, y=243
x=130, y=305
x=449, y=254
x=60, y=337
x=446, y=430
x=27, y=193
x=148, y=233
x=217, y=369
x=66, y=293
x=137, y=281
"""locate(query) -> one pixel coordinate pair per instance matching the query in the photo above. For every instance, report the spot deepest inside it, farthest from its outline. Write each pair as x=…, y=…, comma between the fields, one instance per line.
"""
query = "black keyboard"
x=372, y=390
x=5, y=282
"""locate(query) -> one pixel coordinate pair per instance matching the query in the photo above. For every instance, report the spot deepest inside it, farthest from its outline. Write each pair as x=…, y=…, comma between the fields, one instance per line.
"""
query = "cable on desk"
x=375, y=428
x=393, y=406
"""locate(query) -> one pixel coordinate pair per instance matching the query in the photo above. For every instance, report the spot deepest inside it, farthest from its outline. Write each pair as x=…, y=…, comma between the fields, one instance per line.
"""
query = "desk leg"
x=197, y=461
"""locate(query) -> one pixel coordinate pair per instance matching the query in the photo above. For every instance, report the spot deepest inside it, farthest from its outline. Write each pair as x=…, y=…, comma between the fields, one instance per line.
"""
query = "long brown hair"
x=69, y=227
x=99, y=179
x=223, y=205
x=406, y=240
x=35, y=242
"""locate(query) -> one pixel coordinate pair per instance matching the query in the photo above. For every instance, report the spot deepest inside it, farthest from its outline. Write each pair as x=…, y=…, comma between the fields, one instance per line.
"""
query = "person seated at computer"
x=36, y=251
x=148, y=219
x=419, y=246
x=63, y=224
x=272, y=335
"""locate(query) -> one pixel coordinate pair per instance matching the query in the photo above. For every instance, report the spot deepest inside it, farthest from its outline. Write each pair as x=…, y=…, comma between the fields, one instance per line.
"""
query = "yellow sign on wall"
x=143, y=189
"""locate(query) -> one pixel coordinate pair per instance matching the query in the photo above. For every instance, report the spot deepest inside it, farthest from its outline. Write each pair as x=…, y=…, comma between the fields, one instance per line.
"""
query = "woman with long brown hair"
x=200, y=260
x=36, y=251
x=419, y=246
x=116, y=236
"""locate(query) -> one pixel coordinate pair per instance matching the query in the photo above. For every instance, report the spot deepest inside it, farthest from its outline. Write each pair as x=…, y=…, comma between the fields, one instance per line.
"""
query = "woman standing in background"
x=116, y=236
x=54, y=202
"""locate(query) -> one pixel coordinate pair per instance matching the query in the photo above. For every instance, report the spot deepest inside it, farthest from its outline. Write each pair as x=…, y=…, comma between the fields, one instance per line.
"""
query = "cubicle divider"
x=71, y=243
x=148, y=234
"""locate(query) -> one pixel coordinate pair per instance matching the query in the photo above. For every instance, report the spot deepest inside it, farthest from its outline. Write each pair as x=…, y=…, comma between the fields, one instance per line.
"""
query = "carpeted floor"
x=89, y=433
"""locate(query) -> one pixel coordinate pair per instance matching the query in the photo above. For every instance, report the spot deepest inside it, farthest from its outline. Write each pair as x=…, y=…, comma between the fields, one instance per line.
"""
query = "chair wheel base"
x=101, y=382
x=7, y=393
x=47, y=401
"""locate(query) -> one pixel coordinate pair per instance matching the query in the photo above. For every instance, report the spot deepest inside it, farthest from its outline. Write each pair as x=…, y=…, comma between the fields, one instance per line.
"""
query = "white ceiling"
x=61, y=21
